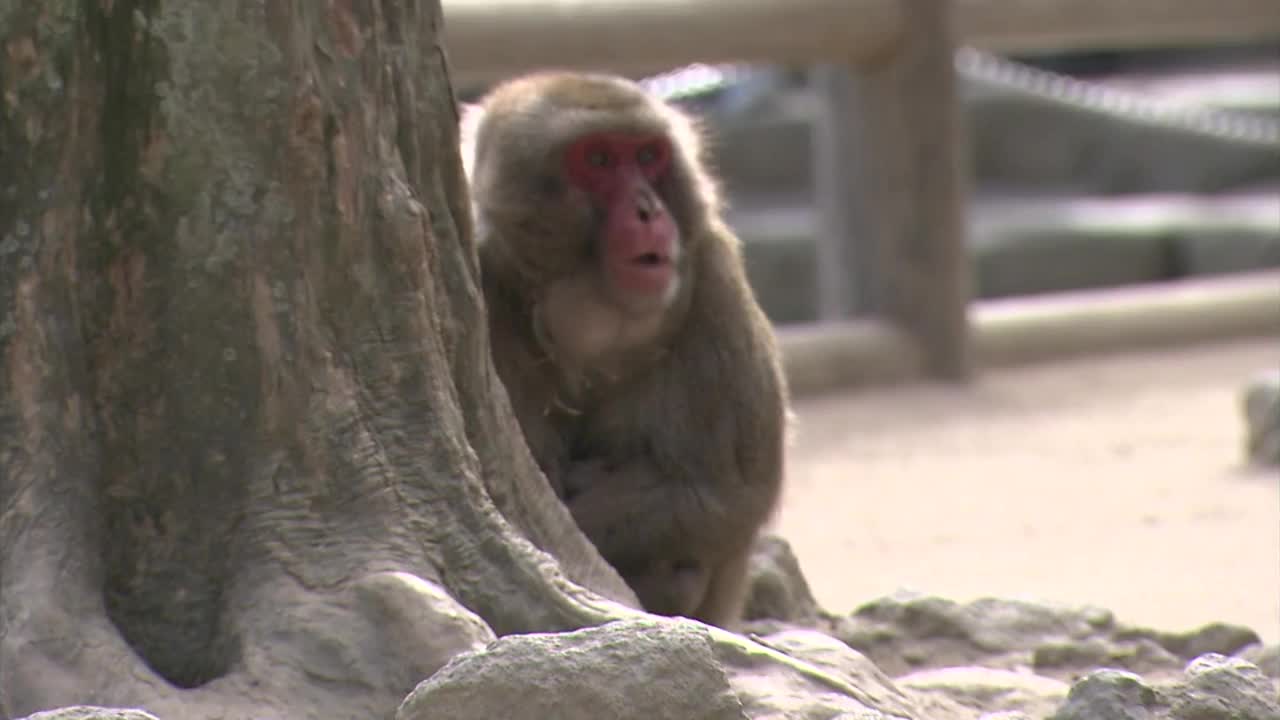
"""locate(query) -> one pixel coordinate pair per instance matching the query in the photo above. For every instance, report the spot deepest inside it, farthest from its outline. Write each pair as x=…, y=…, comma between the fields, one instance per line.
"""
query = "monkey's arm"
x=702, y=466
x=634, y=510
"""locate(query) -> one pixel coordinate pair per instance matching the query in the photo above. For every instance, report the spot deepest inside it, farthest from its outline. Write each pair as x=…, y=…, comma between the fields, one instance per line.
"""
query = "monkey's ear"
x=470, y=115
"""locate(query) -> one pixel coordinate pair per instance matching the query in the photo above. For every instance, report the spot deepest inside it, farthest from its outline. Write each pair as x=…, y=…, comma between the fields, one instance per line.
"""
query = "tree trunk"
x=247, y=411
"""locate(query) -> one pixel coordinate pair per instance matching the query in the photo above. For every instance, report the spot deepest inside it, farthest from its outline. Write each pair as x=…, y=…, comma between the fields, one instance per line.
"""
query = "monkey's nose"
x=646, y=209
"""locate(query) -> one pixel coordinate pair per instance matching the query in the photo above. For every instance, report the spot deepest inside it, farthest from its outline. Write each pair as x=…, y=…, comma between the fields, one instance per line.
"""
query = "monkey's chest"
x=588, y=337
x=612, y=421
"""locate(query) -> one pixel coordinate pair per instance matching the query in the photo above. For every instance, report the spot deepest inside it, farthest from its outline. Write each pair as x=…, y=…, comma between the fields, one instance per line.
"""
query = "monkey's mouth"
x=651, y=260
x=646, y=273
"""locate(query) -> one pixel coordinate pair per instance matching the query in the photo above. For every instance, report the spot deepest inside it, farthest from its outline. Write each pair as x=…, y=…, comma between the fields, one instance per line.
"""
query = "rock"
x=845, y=663
x=624, y=669
x=1225, y=688
x=778, y=589
x=1108, y=695
x=1213, y=687
x=646, y=667
x=1222, y=638
x=1266, y=657
x=984, y=689
x=907, y=631
x=1261, y=405
x=1138, y=654
x=84, y=712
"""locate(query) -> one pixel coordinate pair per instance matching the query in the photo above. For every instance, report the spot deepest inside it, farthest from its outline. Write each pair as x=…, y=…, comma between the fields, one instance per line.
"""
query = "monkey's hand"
x=578, y=475
x=620, y=507
x=631, y=509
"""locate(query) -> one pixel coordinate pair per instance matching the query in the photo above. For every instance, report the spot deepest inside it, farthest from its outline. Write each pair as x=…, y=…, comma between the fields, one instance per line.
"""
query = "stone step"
x=1021, y=140
x=1033, y=245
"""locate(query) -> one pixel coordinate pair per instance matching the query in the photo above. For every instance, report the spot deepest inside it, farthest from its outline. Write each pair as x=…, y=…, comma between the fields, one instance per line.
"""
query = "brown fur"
x=663, y=433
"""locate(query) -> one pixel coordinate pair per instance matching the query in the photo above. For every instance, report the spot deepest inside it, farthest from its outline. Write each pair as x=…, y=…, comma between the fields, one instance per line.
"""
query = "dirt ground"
x=1112, y=481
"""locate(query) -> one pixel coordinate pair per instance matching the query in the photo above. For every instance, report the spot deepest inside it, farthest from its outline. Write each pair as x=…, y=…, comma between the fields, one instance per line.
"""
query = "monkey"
x=644, y=375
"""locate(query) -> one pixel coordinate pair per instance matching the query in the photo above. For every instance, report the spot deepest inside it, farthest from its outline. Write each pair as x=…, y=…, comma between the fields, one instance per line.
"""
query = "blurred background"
x=1112, y=166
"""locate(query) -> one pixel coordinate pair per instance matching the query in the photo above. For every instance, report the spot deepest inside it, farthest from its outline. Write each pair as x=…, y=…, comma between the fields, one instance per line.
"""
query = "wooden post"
x=910, y=187
x=844, y=253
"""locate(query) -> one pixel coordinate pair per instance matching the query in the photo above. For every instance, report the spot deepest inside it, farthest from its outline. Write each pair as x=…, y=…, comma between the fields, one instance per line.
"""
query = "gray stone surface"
x=84, y=712
x=1261, y=409
x=1266, y=657
x=988, y=689
x=1213, y=687
x=778, y=588
x=643, y=668
x=1109, y=695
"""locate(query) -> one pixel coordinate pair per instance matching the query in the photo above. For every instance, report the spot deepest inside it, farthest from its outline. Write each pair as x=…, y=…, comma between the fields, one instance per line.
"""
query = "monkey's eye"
x=647, y=155
x=598, y=157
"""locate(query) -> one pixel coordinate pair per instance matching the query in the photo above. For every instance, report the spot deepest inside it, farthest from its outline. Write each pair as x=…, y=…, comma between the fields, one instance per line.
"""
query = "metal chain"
x=990, y=69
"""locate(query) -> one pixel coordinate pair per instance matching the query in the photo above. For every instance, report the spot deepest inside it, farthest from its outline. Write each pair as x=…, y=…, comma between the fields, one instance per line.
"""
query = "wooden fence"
x=490, y=39
x=890, y=166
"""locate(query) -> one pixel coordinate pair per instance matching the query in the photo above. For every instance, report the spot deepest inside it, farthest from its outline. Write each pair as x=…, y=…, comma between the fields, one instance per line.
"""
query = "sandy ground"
x=1113, y=481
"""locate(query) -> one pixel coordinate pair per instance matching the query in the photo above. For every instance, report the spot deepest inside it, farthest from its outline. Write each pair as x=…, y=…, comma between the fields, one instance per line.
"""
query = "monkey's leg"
x=726, y=590
x=661, y=540
x=669, y=588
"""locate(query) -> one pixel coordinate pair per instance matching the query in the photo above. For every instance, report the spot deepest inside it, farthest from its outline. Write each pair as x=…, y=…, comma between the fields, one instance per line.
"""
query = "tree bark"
x=247, y=411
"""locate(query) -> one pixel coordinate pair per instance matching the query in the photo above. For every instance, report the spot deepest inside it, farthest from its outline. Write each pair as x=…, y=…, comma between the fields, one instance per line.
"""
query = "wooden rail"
x=1052, y=25
x=890, y=172
x=1011, y=332
x=489, y=39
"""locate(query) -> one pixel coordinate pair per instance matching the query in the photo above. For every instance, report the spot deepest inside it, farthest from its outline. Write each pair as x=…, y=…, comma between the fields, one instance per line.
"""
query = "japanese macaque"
x=643, y=373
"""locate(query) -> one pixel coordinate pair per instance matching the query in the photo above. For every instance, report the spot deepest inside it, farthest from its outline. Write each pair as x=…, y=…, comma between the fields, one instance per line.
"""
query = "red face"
x=640, y=239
